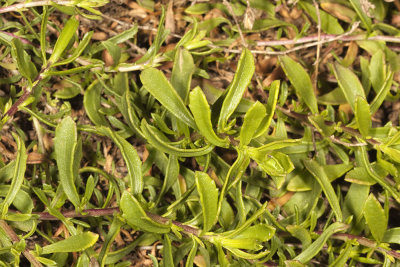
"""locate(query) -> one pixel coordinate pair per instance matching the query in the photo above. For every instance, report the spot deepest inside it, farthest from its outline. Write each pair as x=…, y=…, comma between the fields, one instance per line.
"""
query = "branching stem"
x=15, y=239
x=23, y=5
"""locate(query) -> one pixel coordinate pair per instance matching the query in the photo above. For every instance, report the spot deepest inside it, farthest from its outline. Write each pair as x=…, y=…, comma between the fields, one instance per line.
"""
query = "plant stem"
x=45, y=216
x=19, y=6
x=14, y=108
x=365, y=242
x=15, y=239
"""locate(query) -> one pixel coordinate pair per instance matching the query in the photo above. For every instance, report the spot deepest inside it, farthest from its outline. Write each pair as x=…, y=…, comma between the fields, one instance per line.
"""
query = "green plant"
x=309, y=181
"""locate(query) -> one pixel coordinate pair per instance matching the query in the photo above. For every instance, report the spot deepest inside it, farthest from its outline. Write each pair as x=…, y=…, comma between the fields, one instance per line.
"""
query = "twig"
x=23, y=40
x=229, y=7
x=45, y=216
x=316, y=63
x=26, y=93
x=340, y=142
x=15, y=239
x=23, y=5
x=365, y=242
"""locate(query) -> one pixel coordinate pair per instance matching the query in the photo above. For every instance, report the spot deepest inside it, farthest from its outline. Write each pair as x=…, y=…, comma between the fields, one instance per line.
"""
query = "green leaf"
x=362, y=157
x=112, y=233
x=78, y=51
x=65, y=36
x=363, y=116
x=377, y=70
x=155, y=82
x=380, y=10
x=18, y=175
x=247, y=223
x=117, y=39
x=329, y=24
x=22, y=201
x=343, y=256
x=276, y=145
x=67, y=92
x=302, y=181
x=241, y=254
x=136, y=217
x=318, y=244
x=67, y=149
x=182, y=72
x=258, y=232
x=242, y=243
x=154, y=139
x=198, y=9
x=171, y=176
x=131, y=158
x=334, y=97
x=354, y=201
x=290, y=263
x=382, y=93
x=349, y=83
x=301, y=234
x=24, y=63
x=234, y=92
x=318, y=121
x=318, y=172
x=392, y=236
x=208, y=193
x=160, y=123
x=72, y=70
x=271, y=105
x=202, y=116
x=92, y=104
x=301, y=82
x=393, y=153
x=126, y=107
x=43, y=30
x=273, y=163
x=252, y=120
x=74, y=243
x=375, y=217
x=114, y=50
x=192, y=253
x=366, y=21
x=167, y=252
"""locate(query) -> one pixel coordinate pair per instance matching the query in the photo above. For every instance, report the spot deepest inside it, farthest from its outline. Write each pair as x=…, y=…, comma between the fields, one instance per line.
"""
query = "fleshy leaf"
x=74, y=243
x=317, y=245
x=136, y=217
x=65, y=36
x=316, y=170
x=153, y=138
x=252, y=120
x=202, y=116
x=182, y=73
x=18, y=175
x=155, y=82
x=132, y=161
x=363, y=116
x=66, y=149
x=241, y=80
x=375, y=217
x=301, y=82
x=270, y=110
x=349, y=83
x=208, y=199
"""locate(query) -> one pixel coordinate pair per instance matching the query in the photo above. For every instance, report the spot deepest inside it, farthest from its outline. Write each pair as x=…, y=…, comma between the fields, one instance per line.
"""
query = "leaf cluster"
x=313, y=176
